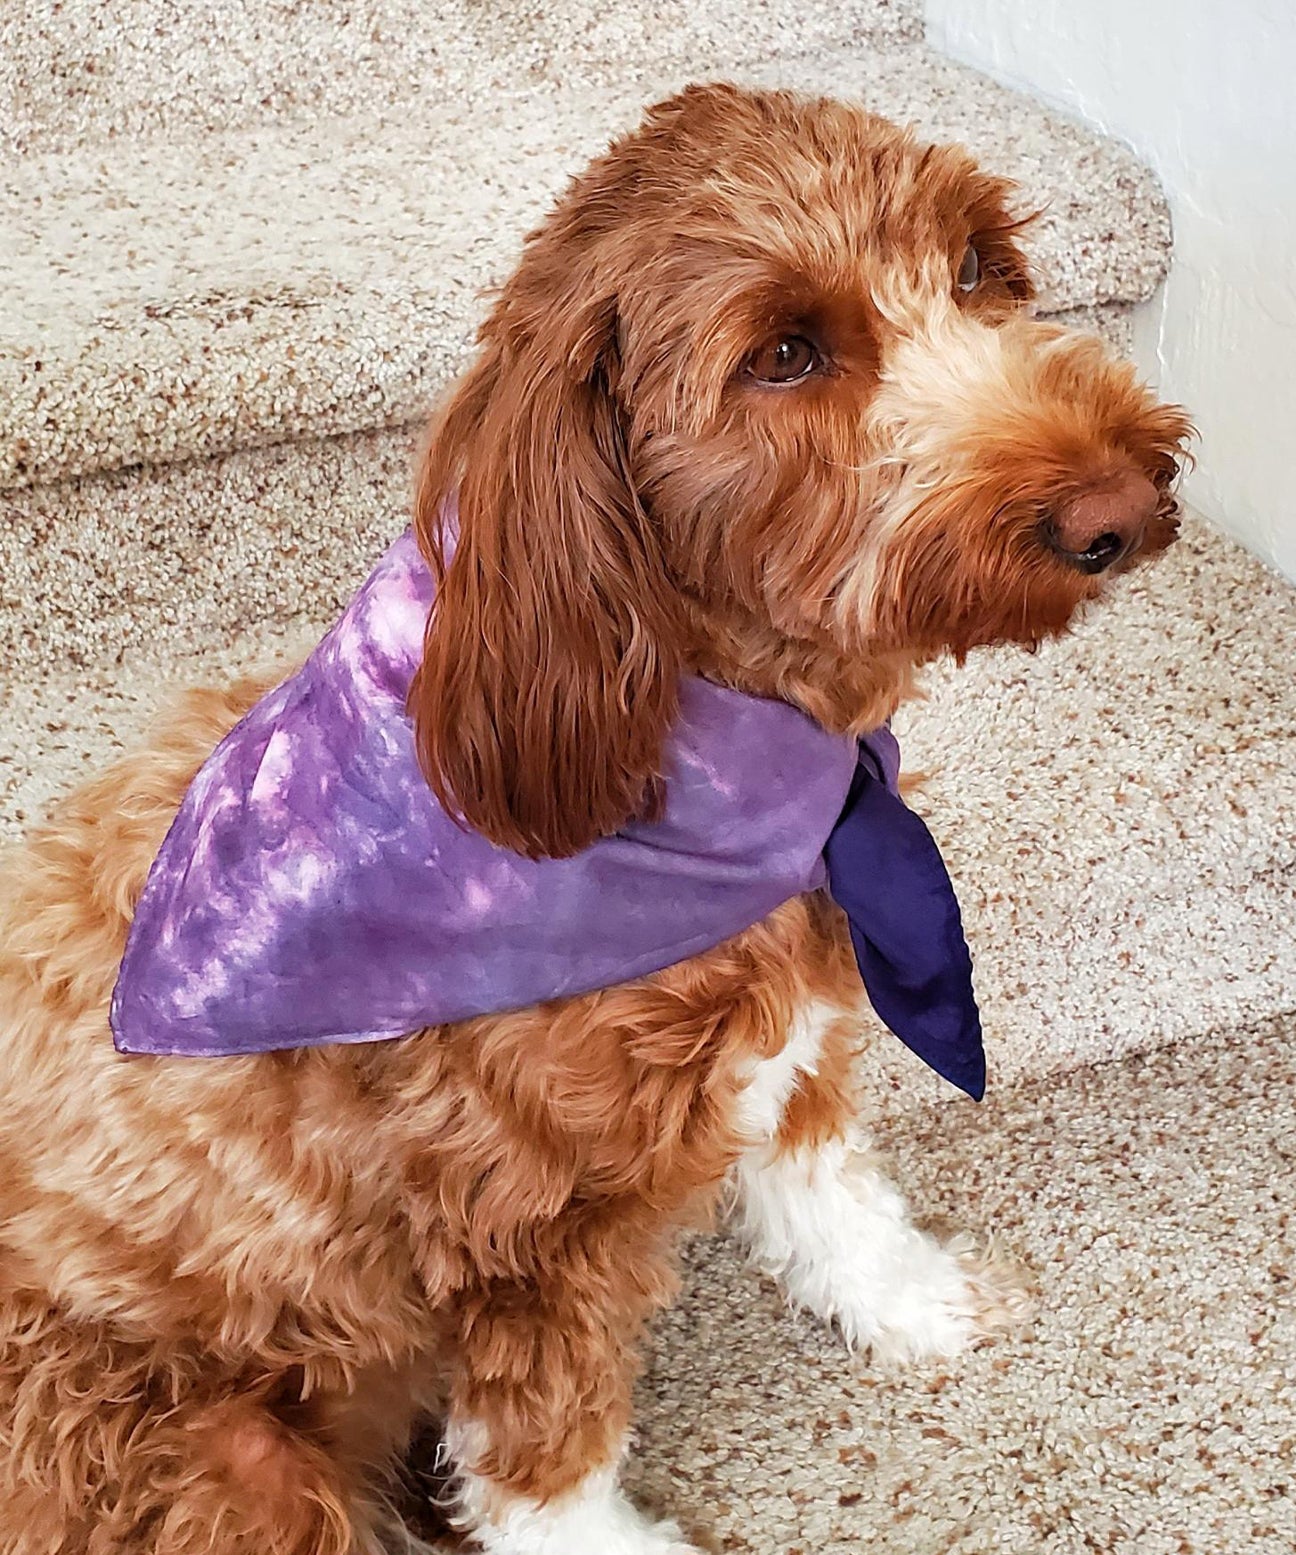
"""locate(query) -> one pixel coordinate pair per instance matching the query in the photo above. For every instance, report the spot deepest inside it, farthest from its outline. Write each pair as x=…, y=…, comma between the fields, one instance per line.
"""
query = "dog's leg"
x=591, y=1515
x=187, y=1481
x=818, y=1214
x=108, y=1448
x=539, y=1418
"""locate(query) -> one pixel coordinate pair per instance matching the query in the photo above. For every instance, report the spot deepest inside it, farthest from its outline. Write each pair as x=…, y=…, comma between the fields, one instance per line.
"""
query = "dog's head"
x=761, y=398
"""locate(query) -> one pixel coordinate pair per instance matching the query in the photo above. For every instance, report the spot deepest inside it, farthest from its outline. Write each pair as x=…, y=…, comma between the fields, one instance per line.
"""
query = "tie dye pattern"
x=312, y=890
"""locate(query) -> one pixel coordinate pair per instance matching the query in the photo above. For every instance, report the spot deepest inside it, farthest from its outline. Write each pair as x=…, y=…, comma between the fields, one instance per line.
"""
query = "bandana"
x=311, y=889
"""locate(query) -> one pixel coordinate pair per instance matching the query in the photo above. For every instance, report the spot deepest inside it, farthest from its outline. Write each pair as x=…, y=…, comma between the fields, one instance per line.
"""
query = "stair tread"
x=74, y=72
x=169, y=296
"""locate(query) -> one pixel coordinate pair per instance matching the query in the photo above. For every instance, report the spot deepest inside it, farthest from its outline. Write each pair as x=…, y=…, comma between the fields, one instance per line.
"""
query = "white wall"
x=1205, y=92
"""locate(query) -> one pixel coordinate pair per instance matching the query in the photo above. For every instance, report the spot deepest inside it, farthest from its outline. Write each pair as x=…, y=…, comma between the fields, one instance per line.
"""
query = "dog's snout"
x=1096, y=529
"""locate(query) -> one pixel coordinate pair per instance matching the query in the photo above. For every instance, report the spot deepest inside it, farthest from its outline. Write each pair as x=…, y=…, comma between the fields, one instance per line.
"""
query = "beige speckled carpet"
x=1150, y=1409
x=242, y=223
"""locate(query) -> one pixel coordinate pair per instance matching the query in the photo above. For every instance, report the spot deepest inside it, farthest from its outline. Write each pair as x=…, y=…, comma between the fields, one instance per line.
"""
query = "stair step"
x=72, y=74
x=1115, y=811
x=166, y=559
x=187, y=294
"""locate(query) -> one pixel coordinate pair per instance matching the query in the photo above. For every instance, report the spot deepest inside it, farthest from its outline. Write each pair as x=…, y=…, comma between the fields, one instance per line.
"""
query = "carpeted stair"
x=240, y=253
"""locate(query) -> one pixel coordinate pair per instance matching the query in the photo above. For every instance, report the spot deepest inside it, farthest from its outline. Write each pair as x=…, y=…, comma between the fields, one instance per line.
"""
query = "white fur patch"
x=593, y=1519
x=939, y=374
x=771, y=1081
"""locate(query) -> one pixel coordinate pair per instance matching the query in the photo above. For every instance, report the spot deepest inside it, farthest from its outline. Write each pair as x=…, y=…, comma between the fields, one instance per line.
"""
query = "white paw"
x=837, y=1235
x=565, y=1528
x=952, y=1296
x=594, y=1518
x=663, y=1538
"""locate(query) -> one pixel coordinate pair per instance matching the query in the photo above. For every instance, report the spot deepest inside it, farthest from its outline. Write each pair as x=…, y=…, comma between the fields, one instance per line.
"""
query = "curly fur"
x=231, y=1291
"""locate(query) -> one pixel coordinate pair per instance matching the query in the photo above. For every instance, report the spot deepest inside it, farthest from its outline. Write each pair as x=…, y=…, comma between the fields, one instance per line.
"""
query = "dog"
x=762, y=404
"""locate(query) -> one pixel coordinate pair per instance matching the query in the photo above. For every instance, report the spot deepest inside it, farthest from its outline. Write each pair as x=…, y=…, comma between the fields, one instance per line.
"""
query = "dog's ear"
x=551, y=663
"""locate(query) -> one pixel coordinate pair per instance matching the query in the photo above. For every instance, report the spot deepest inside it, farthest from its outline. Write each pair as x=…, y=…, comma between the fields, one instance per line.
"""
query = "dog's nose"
x=1094, y=530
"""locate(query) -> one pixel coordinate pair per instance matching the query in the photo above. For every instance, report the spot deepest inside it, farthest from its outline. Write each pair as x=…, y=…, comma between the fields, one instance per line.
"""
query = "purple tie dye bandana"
x=312, y=890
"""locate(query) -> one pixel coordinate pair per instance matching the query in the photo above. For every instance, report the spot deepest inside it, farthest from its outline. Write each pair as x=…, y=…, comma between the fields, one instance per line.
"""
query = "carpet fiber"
x=188, y=294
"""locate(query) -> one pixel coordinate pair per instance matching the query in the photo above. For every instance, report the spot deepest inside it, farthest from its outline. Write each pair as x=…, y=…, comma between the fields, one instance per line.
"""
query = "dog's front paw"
x=830, y=1227
x=544, y=1533
x=946, y=1299
x=595, y=1516
x=664, y=1539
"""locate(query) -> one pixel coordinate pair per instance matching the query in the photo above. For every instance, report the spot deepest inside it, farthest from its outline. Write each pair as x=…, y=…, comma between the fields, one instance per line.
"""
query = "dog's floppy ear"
x=551, y=663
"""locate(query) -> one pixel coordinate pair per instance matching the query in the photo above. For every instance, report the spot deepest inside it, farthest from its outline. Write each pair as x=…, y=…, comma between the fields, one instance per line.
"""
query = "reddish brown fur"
x=230, y=1290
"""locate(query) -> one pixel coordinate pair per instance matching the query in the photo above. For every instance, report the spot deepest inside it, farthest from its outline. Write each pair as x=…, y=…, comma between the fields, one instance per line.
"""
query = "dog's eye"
x=969, y=272
x=784, y=360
